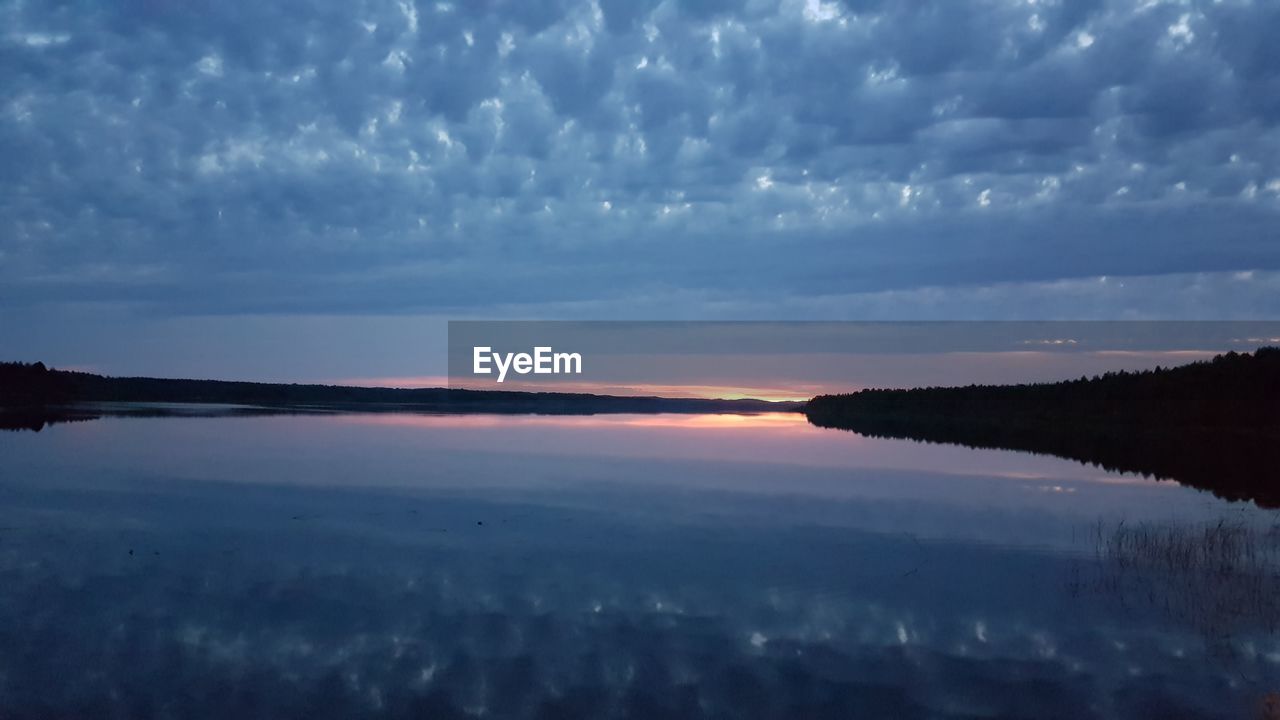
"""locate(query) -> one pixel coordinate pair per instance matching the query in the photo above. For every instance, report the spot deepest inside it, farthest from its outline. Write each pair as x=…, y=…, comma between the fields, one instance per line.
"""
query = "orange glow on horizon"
x=407, y=382
x=760, y=376
x=798, y=393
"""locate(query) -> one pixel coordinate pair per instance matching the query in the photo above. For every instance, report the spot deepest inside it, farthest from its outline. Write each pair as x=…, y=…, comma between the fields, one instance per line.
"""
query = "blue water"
x=613, y=566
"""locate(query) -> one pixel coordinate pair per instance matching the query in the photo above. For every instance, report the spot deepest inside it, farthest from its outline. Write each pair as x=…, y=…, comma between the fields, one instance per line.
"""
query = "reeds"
x=1221, y=578
x=1222, y=549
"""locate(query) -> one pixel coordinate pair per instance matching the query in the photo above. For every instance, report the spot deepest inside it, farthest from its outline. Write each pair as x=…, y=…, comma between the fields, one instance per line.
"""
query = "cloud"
x=389, y=157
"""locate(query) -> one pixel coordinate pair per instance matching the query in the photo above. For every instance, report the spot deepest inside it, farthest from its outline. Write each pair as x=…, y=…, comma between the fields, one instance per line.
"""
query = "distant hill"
x=29, y=386
x=1212, y=424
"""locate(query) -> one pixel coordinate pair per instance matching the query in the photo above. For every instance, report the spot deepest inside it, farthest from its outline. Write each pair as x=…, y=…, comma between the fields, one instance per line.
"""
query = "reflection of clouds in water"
x=242, y=601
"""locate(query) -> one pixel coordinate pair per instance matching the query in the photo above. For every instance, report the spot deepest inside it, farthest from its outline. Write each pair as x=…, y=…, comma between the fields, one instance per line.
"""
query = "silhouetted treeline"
x=28, y=385
x=1238, y=390
x=31, y=395
x=31, y=384
x=1214, y=424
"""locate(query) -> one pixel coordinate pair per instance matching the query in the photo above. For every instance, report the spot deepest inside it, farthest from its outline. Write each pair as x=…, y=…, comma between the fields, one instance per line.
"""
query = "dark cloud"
x=397, y=156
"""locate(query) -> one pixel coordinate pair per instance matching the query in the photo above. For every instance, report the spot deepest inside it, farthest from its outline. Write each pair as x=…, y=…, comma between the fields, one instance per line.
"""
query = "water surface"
x=629, y=566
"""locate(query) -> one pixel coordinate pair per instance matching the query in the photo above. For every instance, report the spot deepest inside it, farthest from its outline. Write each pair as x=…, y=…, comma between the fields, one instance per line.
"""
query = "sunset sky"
x=308, y=190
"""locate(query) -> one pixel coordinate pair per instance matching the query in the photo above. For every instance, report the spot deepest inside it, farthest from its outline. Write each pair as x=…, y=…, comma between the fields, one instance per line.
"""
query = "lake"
x=663, y=566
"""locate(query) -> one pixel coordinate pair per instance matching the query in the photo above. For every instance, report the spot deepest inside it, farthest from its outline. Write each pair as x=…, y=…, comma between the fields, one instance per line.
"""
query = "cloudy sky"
x=307, y=188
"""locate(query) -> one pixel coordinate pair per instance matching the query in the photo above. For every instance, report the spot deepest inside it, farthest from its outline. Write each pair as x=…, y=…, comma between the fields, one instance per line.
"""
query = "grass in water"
x=1220, y=578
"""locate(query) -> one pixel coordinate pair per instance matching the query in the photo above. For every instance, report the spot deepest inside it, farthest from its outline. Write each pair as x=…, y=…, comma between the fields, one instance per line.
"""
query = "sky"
x=798, y=360
x=309, y=189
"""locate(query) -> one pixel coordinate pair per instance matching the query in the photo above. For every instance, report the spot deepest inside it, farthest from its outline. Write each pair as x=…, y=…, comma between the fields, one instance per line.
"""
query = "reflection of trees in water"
x=1221, y=579
x=1270, y=707
x=38, y=419
x=1232, y=464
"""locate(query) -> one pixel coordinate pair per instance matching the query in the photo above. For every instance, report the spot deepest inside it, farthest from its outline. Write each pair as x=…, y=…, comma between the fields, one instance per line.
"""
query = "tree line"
x=1214, y=425
x=1235, y=390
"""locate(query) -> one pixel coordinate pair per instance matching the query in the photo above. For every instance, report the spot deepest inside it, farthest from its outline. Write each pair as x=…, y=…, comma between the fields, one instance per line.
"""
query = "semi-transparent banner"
x=797, y=360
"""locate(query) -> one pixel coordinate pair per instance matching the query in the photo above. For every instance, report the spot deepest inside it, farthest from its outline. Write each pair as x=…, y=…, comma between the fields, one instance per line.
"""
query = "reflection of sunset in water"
x=901, y=483
x=781, y=439
x=777, y=420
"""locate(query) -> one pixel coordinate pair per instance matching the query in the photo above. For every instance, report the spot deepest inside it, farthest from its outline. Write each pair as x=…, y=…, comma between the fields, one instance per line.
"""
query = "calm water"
x=637, y=566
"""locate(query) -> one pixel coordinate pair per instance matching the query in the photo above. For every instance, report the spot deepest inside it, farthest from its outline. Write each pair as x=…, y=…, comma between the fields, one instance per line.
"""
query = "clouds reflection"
x=130, y=590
